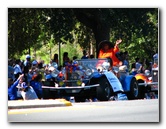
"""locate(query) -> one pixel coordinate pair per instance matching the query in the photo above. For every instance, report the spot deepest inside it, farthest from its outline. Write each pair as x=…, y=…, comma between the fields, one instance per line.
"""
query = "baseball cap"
x=34, y=62
x=28, y=56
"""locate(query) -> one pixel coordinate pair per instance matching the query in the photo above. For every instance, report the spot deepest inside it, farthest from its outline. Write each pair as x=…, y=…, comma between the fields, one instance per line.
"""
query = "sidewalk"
x=21, y=104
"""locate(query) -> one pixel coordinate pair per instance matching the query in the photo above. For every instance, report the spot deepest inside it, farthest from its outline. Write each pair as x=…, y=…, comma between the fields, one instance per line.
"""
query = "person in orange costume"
x=108, y=50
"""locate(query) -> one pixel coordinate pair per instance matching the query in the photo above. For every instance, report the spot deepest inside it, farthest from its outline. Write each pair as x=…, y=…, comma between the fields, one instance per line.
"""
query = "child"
x=27, y=92
x=12, y=89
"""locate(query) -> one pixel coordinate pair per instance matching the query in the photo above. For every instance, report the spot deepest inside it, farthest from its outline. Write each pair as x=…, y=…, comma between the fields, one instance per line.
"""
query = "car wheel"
x=104, y=91
x=133, y=93
x=141, y=89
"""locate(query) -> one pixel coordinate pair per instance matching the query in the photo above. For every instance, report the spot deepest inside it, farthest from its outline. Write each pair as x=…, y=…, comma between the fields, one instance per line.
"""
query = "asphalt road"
x=110, y=111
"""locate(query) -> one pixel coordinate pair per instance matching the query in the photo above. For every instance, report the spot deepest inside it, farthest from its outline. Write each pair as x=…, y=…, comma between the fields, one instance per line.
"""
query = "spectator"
x=10, y=69
x=35, y=63
x=26, y=91
x=155, y=56
x=126, y=60
x=149, y=66
x=31, y=72
x=74, y=58
x=108, y=50
x=85, y=55
x=92, y=56
x=55, y=59
x=12, y=89
x=133, y=69
x=40, y=64
x=144, y=67
x=17, y=69
x=27, y=63
x=27, y=66
x=36, y=83
x=65, y=58
x=50, y=64
x=138, y=65
x=55, y=65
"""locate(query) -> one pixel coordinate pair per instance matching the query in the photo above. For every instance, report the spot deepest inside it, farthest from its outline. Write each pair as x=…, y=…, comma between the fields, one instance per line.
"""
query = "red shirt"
x=110, y=53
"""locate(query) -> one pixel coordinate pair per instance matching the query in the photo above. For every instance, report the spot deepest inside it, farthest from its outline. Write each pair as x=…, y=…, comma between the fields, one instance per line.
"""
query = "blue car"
x=90, y=78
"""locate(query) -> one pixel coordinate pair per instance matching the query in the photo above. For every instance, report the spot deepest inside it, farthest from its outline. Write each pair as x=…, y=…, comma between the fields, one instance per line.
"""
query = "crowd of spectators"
x=30, y=73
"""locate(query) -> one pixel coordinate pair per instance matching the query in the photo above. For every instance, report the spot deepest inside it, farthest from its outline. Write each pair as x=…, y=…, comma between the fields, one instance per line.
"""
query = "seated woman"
x=116, y=83
x=108, y=50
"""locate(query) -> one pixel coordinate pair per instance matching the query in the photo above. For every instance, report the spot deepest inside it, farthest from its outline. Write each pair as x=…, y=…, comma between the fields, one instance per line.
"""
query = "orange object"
x=155, y=65
x=141, y=76
x=110, y=53
x=60, y=74
x=34, y=76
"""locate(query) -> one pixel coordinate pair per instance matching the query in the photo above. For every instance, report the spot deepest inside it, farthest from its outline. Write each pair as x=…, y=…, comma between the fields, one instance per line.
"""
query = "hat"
x=28, y=56
x=101, y=44
x=34, y=62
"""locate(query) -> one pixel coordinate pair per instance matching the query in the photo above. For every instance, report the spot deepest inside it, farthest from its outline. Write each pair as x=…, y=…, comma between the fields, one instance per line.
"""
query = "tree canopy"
x=34, y=27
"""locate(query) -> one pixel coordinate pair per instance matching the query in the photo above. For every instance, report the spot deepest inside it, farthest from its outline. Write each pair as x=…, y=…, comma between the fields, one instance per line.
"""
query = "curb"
x=22, y=104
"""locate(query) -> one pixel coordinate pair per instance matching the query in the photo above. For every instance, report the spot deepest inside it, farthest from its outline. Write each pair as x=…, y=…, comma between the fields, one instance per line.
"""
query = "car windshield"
x=91, y=63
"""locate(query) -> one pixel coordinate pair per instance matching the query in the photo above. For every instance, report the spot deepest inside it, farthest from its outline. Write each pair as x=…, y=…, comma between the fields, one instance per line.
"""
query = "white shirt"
x=17, y=69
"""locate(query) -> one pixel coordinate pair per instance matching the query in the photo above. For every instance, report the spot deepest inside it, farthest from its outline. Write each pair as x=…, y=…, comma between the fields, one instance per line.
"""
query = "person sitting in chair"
x=108, y=50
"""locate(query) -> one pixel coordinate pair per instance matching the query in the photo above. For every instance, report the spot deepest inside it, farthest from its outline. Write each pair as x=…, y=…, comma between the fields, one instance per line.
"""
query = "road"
x=110, y=111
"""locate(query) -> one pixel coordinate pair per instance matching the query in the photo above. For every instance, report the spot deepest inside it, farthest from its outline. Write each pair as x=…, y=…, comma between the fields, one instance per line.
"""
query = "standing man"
x=27, y=66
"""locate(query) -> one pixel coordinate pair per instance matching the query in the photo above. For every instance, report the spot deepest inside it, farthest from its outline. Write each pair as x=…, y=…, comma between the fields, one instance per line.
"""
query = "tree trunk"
x=101, y=33
x=94, y=21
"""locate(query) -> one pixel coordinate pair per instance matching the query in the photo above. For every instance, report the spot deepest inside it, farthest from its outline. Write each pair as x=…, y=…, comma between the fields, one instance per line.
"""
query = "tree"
x=120, y=23
x=24, y=27
x=138, y=27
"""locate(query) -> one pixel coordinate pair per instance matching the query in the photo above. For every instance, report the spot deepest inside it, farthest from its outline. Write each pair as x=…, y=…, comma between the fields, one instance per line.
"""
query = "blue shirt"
x=37, y=86
x=84, y=57
x=12, y=91
x=10, y=72
x=134, y=73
